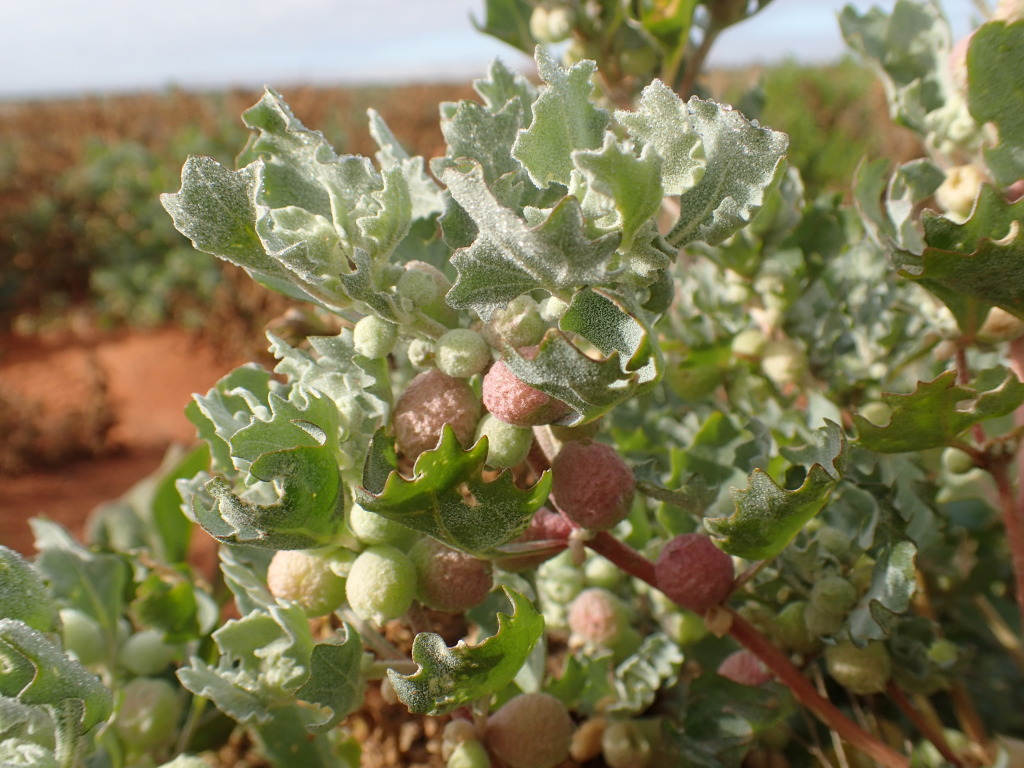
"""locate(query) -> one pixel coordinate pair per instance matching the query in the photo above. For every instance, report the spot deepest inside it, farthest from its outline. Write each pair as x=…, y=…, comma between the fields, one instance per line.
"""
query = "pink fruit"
x=429, y=402
x=744, y=668
x=533, y=730
x=592, y=485
x=597, y=617
x=516, y=402
x=449, y=580
x=694, y=573
x=546, y=526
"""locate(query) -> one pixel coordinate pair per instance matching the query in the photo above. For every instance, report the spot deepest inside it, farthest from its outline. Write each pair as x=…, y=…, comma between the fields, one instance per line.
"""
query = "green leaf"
x=639, y=677
x=93, y=582
x=228, y=408
x=173, y=530
x=264, y=660
x=334, y=682
x=308, y=512
x=168, y=602
x=426, y=196
x=743, y=161
x=939, y=411
x=721, y=719
x=974, y=265
x=767, y=517
x=509, y=258
x=449, y=678
x=509, y=21
x=662, y=121
x=893, y=582
x=433, y=500
x=629, y=185
x=37, y=672
x=23, y=594
x=564, y=120
x=993, y=96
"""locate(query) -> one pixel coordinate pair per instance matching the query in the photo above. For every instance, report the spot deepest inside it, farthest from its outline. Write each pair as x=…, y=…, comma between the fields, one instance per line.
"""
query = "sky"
x=51, y=48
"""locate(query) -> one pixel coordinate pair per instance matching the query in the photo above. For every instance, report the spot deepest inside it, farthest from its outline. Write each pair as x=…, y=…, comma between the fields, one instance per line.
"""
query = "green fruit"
x=507, y=444
x=469, y=754
x=790, y=629
x=307, y=579
x=148, y=714
x=461, y=353
x=374, y=337
x=82, y=636
x=518, y=324
x=371, y=528
x=860, y=670
x=381, y=584
x=833, y=595
x=147, y=653
x=957, y=462
x=822, y=621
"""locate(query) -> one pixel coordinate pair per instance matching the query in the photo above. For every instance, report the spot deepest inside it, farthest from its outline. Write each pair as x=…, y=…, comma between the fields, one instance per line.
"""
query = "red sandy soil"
x=142, y=380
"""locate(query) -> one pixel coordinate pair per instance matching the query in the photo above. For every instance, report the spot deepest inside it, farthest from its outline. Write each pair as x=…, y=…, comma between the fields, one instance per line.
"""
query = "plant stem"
x=1002, y=632
x=780, y=665
x=927, y=728
x=1014, y=525
x=635, y=564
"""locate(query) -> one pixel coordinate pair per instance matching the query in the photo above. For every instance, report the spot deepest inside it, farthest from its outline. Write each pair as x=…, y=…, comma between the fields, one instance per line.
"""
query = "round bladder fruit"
x=515, y=402
x=545, y=526
x=744, y=668
x=507, y=445
x=597, y=617
x=381, y=584
x=533, y=730
x=461, y=353
x=307, y=579
x=147, y=652
x=374, y=337
x=447, y=579
x=149, y=709
x=430, y=401
x=694, y=573
x=859, y=670
x=592, y=485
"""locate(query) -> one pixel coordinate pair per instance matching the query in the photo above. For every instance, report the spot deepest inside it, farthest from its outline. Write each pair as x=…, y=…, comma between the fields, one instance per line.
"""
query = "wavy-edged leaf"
x=509, y=21
x=767, y=517
x=995, y=96
x=95, y=583
x=448, y=678
x=939, y=411
x=564, y=120
x=335, y=683
x=308, y=511
x=264, y=661
x=742, y=161
x=974, y=265
x=629, y=186
x=37, y=672
x=23, y=594
x=426, y=196
x=433, y=500
x=639, y=677
x=893, y=582
x=662, y=121
x=510, y=258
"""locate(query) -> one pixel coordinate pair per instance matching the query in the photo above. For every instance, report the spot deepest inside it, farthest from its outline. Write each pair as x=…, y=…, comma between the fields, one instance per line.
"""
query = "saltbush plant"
x=737, y=401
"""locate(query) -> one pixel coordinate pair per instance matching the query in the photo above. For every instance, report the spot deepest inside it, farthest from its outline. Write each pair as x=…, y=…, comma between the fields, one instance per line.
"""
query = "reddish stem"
x=923, y=724
x=627, y=558
x=635, y=564
x=750, y=638
x=1014, y=526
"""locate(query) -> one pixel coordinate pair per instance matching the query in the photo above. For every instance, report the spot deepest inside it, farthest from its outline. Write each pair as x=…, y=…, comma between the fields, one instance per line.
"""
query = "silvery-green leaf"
x=742, y=161
x=564, y=119
x=996, y=95
x=662, y=121
x=427, y=197
x=509, y=257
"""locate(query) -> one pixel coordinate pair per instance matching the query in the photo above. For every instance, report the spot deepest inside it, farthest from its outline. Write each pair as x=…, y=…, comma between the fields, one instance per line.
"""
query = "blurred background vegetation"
x=85, y=237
